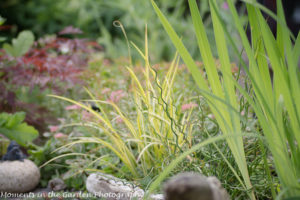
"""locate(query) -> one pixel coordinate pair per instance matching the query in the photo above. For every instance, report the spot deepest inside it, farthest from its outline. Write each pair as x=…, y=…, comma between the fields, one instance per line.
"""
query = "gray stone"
x=193, y=186
x=56, y=184
x=112, y=188
x=18, y=176
x=157, y=197
x=184, y=186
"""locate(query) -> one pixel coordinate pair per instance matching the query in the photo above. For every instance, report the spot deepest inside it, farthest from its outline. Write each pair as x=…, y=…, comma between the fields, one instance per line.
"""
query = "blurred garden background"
x=98, y=85
x=96, y=20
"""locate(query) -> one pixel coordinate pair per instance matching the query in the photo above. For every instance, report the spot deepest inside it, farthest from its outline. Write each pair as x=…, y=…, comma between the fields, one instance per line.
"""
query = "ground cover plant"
x=221, y=114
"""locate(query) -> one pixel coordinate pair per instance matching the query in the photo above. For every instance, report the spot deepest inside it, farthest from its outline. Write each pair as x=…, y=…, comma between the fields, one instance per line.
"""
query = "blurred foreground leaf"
x=12, y=126
x=20, y=45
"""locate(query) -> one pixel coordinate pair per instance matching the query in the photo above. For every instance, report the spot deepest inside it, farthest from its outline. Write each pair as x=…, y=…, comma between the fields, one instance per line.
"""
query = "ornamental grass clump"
x=275, y=105
x=153, y=135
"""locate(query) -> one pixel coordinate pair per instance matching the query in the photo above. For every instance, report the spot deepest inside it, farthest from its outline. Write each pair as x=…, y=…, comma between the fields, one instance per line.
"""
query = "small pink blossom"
x=119, y=120
x=188, y=106
x=86, y=115
x=72, y=107
x=243, y=113
x=105, y=90
x=70, y=30
x=115, y=96
x=225, y=6
x=60, y=135
x=53, y=128
x=62, y=120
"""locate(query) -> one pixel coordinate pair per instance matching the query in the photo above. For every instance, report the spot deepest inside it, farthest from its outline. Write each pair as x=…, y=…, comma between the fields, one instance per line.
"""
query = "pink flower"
x=72, y=107
x=225, y=6
x=62, y=120
x=119, y=120
x=188, y=106
x=70, y=30
x=60, y=135
x=105, y=90
x=87, y=116
x=243, y=113
x=115, y=96
x=53, y=128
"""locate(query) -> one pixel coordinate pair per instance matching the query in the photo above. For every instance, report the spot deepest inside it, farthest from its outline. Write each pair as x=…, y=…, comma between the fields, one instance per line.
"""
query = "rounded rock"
x=194, y=186
x=18, y=176
x=101, y=184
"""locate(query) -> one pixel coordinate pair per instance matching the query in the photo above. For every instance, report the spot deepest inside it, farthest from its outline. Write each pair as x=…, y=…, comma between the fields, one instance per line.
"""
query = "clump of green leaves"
x=275, y=105
x=2, y=20
x=216, y=91
x=20, y=45
x=13, y=127
x=151, y=134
